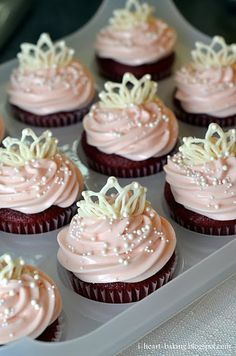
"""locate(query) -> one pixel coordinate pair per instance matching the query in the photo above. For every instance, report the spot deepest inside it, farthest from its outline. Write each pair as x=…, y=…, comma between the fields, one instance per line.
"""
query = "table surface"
x=207, y=327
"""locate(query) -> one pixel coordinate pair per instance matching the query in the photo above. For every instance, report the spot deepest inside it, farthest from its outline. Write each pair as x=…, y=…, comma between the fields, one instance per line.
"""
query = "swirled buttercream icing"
x=2, y=129
x=49, y=80
x=116, y=237
x=29, y=300
x=208, y=84
x=202, y=176
x=130, y=121
x=34, y=175
x=134, y=36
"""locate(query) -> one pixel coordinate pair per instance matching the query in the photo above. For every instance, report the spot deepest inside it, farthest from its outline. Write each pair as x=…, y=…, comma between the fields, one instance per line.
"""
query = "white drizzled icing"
x=116, y=236
x=217, y=54
x=44, y=54
x=9, y=268
x=131, y=121
x=199, y=151
x=132, y=15
x=17, y=152
x=135, y=36
x=129, y=201
x=131, y=91
x=34, y=175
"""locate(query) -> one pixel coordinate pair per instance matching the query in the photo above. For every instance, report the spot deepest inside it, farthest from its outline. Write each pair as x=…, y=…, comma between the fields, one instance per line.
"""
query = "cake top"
x=127, y=201
x=17, y=152
x=133, y=14
x=131, y=91
x=11, y=269
x=216, y=54
x=216, y=144
x=44, y=54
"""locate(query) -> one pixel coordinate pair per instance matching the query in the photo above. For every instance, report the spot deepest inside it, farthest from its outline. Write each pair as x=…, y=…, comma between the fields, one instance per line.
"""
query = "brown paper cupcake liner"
x=202, y=120
x=114, y=70
x=53, y=333
x=53, y=218
x=51, y=120
x=120, y=292
x=197, y=222
x=111, y=164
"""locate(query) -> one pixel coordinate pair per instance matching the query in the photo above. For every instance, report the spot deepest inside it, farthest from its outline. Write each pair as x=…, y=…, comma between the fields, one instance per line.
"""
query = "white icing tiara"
x=9, y=268
x=216, y=144
x=216, y=54
x=17, y=152
x=131, y=91
x=132, y=15
x=44, y=54
x=127, y=201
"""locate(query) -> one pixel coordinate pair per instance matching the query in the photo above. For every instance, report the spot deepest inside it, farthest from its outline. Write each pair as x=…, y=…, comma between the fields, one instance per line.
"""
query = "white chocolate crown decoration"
x=131, y=91
x=199, y=151
x=9, y=268
x=132, y=15
x=217, y=54
x=44, y=54
x=17, y=152
x=128, y=201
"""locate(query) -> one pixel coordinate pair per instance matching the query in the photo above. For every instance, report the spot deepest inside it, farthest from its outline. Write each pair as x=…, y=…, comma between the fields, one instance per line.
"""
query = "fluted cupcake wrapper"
x=52, y=219
x=51, y=120
x=202, y=120
x=196, y=222
x=112, y=164
x=119, y=292
x=113, y=70
x=54, y=332
x=150, y=169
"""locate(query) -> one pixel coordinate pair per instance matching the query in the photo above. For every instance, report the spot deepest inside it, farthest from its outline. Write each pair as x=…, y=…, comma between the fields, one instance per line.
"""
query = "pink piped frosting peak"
x=202, y=176
x=134, y=36
x=29, y=300
x=208, y=84
x=49, y=80
x=131, y=246
x=131, y=121
x=35, y=176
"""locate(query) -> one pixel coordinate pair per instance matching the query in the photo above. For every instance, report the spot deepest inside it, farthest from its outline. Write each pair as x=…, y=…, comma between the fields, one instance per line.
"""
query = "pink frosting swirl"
x=145, y=43
x=208, y=189
x=128, y=250
x=28, y=305
x=52, y=90
x=136, y=132
x=2, y=129
x=210, y=91
x=40, y=184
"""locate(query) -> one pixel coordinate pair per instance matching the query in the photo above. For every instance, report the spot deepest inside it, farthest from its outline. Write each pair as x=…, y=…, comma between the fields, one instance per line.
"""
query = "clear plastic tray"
x=92, y=328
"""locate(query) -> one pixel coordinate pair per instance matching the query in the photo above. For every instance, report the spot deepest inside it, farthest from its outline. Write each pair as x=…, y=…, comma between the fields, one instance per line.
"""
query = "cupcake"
x=129, y=132
x=200, y=185
x=38, y=184
x=206, y=87
x=2, y=129
x=117, y=248
x=137, y=42
x=50, y=88
x=30, y=303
